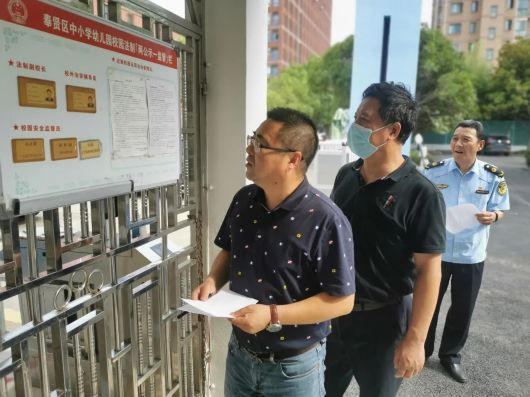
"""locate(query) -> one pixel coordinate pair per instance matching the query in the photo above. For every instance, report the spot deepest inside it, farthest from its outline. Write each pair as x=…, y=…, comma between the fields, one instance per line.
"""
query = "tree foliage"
x=445, y=91
x=291, y=89
x=450, y=87
x=508, y=95
x=317, y=88
x=332, y=81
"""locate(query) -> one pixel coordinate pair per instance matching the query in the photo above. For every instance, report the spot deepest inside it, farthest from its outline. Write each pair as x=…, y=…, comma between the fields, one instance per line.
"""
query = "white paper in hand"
x=219, y=305
x=461, y=217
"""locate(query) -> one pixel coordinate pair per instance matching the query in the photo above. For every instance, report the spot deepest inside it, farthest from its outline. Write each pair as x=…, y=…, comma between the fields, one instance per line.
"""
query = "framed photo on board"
x=80, y=99
x=36, y=93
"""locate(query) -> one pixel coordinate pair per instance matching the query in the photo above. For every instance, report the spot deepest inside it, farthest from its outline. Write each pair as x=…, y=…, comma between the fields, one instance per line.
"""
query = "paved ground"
x=497, y=353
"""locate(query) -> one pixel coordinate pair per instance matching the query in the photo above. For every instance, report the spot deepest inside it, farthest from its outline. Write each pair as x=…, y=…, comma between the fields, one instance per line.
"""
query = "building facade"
x=297, y=30
x=482, y=25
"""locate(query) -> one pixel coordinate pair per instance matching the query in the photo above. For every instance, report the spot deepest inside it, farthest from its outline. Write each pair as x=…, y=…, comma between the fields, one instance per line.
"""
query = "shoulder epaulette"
x=494, y=170
x=434, y=164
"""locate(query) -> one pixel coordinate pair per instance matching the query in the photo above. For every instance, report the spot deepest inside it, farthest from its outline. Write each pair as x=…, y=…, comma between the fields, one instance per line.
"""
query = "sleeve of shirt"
x=426, y=228
x=334, y=258
x=224, y=235
x=499, y=199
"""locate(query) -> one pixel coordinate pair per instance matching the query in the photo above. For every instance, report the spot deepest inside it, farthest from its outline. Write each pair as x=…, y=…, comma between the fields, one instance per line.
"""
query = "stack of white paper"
x=219, y=305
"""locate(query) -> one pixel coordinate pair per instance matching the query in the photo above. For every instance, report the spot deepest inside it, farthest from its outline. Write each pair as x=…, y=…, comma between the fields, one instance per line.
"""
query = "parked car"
x=497, y=144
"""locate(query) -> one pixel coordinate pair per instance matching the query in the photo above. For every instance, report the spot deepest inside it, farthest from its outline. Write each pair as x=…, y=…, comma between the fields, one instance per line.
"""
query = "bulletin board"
x=89, y=109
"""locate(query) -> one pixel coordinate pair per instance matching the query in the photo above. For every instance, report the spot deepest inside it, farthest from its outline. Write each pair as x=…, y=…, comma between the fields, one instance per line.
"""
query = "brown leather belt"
x=282, y=354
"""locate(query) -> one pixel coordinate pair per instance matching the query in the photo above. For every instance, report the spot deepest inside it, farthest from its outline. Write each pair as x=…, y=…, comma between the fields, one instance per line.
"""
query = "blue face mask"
x=359, y=140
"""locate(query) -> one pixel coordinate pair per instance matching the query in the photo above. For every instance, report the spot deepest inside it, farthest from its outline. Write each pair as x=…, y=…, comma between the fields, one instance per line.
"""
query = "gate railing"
x=97, y=317
x=89, y=291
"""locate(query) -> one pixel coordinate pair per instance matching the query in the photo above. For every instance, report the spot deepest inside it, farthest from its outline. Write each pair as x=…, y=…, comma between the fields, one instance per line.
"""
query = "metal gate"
x=89, y=291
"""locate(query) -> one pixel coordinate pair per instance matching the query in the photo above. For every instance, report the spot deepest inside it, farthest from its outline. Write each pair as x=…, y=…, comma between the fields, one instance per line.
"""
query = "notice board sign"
x=86, y=106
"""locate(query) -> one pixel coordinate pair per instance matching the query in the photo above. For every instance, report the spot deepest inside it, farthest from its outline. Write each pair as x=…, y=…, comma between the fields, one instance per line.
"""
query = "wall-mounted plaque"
x=80, y=99
x=89, y=149
x=27, y=150
x=36, y=93
x=63, y=149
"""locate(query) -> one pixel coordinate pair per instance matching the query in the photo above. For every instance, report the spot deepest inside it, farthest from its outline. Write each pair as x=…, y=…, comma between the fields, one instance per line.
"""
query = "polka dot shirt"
x=297, y=250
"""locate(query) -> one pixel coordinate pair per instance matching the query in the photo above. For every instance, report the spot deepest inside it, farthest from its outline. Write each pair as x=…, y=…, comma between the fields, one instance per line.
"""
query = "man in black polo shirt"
x=398, y=223
x=290, y=247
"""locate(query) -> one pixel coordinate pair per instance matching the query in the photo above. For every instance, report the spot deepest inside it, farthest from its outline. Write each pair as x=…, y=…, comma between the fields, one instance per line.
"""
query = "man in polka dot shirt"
x=287, y=245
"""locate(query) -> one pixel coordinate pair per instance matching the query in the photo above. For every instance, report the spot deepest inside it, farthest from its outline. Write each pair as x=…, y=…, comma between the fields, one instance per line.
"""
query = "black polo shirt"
x=301, y=248
x=391, y=219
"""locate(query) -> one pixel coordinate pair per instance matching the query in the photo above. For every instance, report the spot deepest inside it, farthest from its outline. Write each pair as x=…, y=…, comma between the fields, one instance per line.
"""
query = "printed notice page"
x=128, y=114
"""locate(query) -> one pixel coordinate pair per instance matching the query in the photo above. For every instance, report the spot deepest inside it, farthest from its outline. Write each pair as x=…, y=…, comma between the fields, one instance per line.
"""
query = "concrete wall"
x=236, y=59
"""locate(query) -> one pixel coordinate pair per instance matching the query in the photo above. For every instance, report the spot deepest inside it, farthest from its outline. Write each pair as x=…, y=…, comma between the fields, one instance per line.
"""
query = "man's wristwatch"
x=496, y=216
x=274, y=325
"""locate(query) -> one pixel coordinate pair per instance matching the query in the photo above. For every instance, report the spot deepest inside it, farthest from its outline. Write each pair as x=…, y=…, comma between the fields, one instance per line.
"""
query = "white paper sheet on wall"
x=128, y=114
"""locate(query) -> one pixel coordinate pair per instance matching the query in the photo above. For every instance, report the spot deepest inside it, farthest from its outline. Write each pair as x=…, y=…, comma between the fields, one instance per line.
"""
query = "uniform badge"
x=502, y=188
x=442, y=186
x=482, y=191
x=494, y=170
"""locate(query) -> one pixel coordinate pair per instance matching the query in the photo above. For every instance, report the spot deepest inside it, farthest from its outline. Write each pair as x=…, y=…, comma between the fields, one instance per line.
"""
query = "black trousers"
x=465, y=284
x=362, y=344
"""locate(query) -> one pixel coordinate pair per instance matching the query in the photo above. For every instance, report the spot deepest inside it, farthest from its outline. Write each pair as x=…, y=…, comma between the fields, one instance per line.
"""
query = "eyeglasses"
x=251, y=140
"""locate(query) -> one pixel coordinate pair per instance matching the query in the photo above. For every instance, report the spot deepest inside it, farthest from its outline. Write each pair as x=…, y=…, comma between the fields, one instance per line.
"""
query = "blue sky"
x=343, y=15
x=343, y=18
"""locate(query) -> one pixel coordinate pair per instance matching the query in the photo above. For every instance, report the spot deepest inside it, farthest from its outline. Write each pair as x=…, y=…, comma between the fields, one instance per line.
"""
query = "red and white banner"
x=47, y=18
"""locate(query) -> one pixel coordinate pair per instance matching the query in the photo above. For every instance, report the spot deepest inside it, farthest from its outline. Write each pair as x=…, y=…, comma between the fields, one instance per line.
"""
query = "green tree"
x=445, y=91
x=332, y=81
x=481, y=74
x=291, y=89
x=317, y=88
x=508, y=96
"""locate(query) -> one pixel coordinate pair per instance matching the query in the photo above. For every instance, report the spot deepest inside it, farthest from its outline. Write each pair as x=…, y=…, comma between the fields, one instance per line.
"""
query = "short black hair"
x=474, y=124
x=396, y=105
x=299, y=132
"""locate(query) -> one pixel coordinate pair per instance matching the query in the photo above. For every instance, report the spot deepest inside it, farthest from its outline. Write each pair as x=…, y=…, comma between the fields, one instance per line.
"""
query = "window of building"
x=494, y=11
x=455, y=28
x=274, y=36
x=456, y=46
x=275, y=54
x=474, y=6
x=275, y=3
x=522, y=8
x=456, y=8
x=492, y=32
x=275, y=19
x=490, y=54
x=274, y=70
x=507, y=25
x=472, y=27
x=471, y=46
x=520, y=28
x=509, y=4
